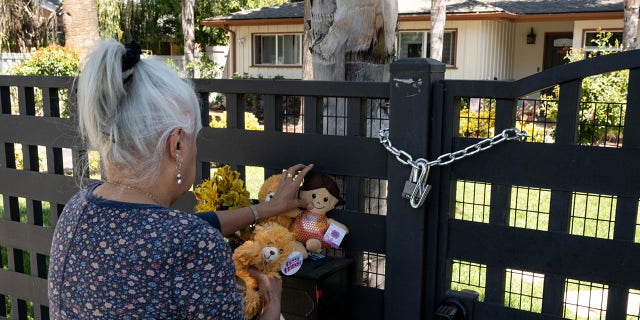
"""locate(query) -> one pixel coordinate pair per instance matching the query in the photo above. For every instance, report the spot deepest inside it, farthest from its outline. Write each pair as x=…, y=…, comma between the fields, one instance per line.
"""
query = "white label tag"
x=334, y=235
x=293, y=263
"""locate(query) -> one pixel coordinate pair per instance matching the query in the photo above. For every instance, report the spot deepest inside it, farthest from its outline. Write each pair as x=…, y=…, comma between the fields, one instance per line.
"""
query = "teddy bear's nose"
x=270, y=254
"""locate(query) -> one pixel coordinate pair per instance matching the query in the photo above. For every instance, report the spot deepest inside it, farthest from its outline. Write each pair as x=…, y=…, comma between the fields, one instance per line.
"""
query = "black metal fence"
x=515, y=223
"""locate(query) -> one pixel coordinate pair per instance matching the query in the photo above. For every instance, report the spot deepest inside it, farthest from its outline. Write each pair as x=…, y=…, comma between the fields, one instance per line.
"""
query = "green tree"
x=109, y=19
x=24, y=25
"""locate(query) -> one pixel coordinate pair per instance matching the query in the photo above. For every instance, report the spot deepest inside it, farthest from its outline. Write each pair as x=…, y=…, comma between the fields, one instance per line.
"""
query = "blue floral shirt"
x=115, y=260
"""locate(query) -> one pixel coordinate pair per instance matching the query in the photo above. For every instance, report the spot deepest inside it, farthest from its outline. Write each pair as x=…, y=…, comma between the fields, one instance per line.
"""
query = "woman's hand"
x=286, y=196
x=270, y=289
x=285, y=199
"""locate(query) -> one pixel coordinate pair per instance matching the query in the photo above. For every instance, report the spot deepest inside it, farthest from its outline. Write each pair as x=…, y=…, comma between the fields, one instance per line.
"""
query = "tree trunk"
x=80, y=22
x=630, y=32
x=307, y=64
x=438, y=16
x=352, y=40
x=188, y=30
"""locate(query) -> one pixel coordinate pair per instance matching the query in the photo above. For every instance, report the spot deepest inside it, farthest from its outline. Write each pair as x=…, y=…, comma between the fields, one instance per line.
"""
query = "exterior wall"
x=529, y=57
x=485, y=49
x=244, y=48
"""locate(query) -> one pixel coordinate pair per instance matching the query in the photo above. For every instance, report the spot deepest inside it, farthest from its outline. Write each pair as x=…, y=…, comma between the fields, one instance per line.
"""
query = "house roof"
x=51, y=5
x=409, y=8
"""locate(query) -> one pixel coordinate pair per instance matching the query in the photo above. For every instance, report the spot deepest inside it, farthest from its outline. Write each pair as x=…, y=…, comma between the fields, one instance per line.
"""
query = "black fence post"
x=411, y=96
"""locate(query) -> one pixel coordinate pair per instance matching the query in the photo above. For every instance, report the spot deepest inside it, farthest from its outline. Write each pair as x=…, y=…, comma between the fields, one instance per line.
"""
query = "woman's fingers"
x=296, y=172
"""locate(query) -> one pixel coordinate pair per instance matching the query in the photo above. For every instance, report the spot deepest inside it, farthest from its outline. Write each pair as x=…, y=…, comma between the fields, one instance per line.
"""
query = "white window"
x=411, y=45
x=591, y=41
x=277, y=49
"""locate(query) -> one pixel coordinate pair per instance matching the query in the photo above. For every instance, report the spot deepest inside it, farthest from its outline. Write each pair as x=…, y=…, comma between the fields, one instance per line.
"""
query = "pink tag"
x=334, y=235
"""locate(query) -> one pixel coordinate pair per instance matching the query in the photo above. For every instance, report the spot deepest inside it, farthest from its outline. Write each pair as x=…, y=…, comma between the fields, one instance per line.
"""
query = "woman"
x=118, y=250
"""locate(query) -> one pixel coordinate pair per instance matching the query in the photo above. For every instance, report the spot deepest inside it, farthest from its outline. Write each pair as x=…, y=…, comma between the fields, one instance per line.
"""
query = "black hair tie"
x=131, y=56
x=130, y=59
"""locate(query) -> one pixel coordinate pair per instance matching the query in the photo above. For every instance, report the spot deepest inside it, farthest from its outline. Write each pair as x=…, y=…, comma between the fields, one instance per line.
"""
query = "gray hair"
x=129, y=122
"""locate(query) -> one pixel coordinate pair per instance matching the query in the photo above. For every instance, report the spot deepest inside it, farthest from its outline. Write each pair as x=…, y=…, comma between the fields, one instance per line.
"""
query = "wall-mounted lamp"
x=531, y=37
x=242, y=39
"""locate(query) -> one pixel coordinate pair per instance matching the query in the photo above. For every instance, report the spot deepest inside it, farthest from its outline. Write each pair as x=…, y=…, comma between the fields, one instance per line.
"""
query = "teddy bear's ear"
x=269, y=185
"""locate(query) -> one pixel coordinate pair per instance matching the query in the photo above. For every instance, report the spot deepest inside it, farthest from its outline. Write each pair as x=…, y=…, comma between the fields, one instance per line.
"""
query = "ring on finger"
x=289, y=175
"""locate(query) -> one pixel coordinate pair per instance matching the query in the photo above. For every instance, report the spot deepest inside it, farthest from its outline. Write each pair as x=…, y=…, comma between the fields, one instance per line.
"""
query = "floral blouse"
x=115, y=260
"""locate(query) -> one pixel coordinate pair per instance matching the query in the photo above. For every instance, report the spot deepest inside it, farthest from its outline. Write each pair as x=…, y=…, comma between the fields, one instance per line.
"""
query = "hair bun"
x=131, y=56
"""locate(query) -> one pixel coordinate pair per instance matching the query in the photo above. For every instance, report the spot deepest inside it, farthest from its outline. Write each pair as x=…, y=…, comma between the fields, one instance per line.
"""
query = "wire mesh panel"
x=469, y=275
x=524, y=290
x=585, y=300
x=633, y=305
x=473, y=200
x=537, y=117
x=593, y=215
x=530, y=208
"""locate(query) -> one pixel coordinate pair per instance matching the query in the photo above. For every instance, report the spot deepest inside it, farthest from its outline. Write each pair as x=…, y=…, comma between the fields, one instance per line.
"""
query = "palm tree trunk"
x=188, y=30
x=353, y=41
x=80, y=22
x=630, y=32
x=438, y=17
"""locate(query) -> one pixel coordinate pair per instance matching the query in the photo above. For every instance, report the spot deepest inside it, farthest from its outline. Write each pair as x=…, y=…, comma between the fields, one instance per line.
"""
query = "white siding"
x=484, y=50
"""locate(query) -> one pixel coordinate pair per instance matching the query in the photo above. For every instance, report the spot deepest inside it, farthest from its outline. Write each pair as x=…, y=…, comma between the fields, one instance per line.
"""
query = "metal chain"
x=447, y=158
x=416, y=188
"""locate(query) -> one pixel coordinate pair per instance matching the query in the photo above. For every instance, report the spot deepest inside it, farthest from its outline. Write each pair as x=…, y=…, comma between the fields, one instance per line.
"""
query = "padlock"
x=409, y=187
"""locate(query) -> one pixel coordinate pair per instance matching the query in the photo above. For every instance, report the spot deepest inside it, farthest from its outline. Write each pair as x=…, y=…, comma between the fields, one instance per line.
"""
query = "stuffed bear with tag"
x=267, y=251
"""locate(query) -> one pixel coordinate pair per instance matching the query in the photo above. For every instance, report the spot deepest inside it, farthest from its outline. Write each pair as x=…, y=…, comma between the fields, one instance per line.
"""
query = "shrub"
x=205, y=68
x=53, y=60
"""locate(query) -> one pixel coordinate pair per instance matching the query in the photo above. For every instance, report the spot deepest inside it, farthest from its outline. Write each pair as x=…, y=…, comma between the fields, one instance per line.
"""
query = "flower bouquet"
x=225, y=190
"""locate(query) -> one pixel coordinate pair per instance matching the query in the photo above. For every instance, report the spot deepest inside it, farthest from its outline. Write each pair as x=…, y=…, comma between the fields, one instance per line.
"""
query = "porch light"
x=531, y=37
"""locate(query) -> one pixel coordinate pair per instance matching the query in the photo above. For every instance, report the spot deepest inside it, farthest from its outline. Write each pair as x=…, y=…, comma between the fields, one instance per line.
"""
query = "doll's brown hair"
x=317, y=180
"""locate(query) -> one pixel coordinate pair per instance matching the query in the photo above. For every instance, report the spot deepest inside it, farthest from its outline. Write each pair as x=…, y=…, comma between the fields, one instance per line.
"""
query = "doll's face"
x=322, y=200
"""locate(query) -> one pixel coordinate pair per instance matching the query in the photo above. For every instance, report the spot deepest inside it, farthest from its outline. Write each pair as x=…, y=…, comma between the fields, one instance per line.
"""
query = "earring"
x=179, y=170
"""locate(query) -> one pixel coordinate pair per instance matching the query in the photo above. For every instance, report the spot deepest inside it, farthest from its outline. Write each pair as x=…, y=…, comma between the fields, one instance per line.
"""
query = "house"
x=484, y=39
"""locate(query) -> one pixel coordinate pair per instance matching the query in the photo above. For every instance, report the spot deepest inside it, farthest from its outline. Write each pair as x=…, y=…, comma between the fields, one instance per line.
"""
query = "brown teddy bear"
x=268, y=250
x=266, y=192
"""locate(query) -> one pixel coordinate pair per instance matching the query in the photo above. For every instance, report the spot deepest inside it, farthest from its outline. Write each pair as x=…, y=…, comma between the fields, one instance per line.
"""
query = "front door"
x=556, y=46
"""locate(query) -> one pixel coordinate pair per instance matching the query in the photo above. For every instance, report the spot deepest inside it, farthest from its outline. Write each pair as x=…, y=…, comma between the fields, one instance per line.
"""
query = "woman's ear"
x=173, y=142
